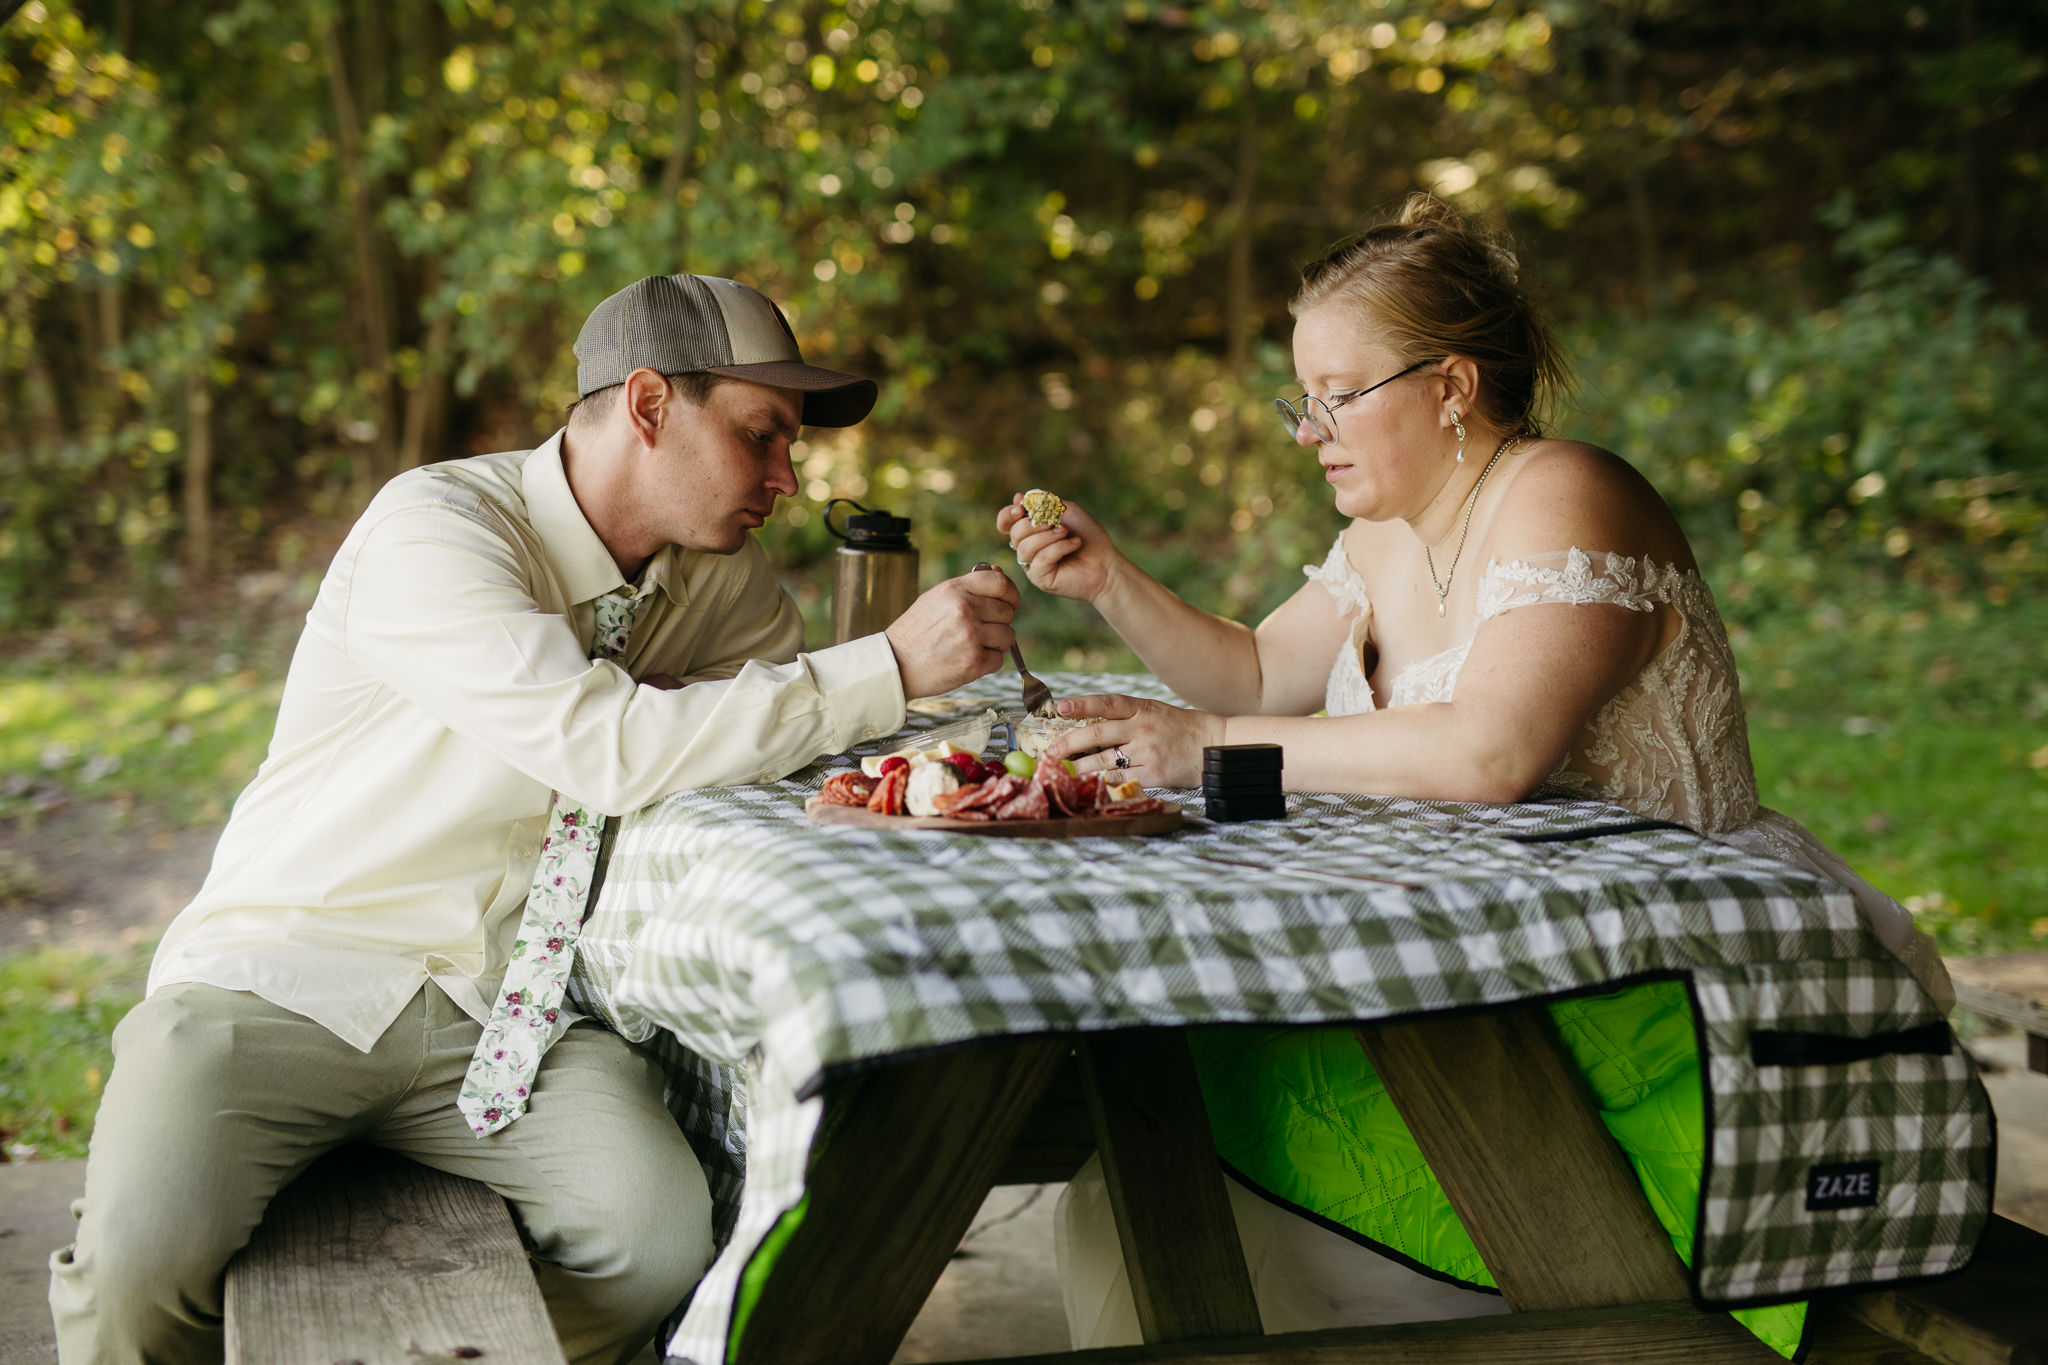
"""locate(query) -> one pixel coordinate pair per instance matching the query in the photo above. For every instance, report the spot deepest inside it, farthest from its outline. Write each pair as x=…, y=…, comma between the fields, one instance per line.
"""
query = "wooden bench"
x=371, y=1259
x=2011, y=988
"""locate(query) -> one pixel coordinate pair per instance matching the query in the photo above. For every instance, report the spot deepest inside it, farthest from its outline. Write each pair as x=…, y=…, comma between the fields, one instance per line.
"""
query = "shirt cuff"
x=863, y=688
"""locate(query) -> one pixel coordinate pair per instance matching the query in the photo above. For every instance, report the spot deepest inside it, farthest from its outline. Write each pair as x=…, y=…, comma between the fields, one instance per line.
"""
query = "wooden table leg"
x=1173, y=1216
x=1550, y=1200
x=904, y=1159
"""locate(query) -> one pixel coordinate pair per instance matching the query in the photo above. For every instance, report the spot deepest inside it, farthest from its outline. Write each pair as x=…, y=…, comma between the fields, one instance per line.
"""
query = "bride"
x=1428, y=635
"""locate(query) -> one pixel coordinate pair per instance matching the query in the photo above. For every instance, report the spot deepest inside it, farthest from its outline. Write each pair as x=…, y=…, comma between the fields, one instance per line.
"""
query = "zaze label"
x=1851, y=1185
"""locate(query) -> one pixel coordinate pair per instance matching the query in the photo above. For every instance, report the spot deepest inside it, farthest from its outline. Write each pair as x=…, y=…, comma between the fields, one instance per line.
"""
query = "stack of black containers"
x=1242, y=782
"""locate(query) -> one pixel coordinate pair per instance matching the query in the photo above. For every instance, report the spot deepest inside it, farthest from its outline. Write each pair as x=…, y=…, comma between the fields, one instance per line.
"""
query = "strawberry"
x=893, y=762
x=970, y=768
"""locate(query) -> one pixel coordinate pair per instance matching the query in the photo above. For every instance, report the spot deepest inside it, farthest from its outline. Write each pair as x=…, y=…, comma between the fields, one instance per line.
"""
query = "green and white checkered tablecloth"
x=777, y=950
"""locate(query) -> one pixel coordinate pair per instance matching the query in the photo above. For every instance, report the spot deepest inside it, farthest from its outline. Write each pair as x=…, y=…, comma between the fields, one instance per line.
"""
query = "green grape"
x=1020, y=763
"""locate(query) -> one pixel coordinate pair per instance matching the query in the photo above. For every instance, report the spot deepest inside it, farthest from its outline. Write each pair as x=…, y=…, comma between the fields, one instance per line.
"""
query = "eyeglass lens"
x=1321, y=424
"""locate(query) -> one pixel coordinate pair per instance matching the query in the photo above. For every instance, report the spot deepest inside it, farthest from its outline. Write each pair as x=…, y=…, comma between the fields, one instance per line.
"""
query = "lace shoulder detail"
x=1336, y=574
x=1572, y=576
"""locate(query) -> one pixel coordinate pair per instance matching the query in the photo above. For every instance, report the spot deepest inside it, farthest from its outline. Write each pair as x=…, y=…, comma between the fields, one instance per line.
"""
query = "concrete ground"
x=35, y=1219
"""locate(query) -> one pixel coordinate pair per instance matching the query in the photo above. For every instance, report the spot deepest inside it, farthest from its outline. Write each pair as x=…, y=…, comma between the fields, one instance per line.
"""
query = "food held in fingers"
x=1044, y=509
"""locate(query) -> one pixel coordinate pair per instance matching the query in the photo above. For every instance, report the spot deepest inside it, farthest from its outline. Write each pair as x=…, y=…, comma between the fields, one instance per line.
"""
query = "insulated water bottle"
x=875, y=578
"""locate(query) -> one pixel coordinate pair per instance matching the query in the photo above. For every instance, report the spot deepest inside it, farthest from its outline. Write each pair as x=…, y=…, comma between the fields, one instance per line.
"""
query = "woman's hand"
x=1071, y=559
x=1163, y=743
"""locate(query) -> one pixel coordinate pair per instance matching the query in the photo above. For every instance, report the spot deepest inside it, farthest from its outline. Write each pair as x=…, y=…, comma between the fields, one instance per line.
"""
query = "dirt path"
x=97, y=877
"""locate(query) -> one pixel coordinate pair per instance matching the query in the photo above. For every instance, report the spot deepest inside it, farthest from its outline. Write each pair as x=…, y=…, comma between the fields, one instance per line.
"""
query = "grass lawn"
x=1951, y=818
x=57, y=1017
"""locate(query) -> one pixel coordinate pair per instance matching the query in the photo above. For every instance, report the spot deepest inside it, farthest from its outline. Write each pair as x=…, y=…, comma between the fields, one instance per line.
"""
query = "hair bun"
x=1423, y=209
x=1505, y=263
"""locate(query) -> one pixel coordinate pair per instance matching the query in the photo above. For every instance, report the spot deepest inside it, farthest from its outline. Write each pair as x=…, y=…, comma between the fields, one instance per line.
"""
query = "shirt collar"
x=586, y=569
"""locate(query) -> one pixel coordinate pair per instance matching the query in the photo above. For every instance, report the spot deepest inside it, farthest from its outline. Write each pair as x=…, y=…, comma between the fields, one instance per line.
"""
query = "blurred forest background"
x=257, y=257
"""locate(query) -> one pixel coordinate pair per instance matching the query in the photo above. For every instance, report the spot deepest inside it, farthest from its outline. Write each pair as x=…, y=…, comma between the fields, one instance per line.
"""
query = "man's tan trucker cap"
x=683, y=323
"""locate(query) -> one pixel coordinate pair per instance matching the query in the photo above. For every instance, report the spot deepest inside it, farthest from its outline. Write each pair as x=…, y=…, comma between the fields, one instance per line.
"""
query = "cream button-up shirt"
x=443, y=691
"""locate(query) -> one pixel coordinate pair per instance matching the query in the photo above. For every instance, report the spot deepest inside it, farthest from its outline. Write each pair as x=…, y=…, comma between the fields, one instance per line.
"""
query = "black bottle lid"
x=873, y=530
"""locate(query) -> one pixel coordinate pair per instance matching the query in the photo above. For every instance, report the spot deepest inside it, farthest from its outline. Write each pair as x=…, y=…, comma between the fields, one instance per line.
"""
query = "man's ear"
x=646, y=403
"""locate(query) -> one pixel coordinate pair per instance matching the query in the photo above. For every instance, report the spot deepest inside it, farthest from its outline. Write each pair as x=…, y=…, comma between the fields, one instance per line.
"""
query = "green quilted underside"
x=1302, y=1114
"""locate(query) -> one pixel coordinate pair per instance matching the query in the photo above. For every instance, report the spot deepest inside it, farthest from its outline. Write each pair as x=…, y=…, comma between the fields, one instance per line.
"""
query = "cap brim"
x=831, y=399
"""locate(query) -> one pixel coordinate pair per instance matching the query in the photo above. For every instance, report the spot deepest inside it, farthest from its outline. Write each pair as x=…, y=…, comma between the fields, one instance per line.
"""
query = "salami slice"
x=1029, y=804
x=887, y=798
x=847, y=789
x=1076, y=795
x=993, y=794
x=1090, y=794
x=973, y=796
x=1144, y=805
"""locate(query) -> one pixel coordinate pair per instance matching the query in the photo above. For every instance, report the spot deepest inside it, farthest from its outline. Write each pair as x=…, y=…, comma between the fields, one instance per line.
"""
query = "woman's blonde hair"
x=1434, y=284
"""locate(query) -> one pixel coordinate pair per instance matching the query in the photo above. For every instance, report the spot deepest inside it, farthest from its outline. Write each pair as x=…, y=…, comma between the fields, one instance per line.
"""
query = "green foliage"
x=256, y=257
x=57, y=1015
x=1903, y=432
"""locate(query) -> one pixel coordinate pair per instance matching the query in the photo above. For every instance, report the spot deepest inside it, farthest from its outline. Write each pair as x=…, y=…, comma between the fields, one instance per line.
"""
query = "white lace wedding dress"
x=1672, y=745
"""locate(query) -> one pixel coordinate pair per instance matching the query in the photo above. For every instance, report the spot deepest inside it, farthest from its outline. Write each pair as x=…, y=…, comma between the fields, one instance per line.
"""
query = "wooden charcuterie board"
x=1084, y=827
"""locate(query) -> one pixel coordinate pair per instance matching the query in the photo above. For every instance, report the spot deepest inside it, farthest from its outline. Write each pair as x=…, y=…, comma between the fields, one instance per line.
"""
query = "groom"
x=469, y=697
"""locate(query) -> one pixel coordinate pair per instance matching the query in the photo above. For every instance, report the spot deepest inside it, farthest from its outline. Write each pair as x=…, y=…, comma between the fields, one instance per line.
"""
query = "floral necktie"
x=525, y=1019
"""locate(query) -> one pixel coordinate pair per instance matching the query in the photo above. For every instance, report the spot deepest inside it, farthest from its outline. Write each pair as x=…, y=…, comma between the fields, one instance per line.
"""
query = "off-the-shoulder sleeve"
x=1574, y=577
x=1336, y=574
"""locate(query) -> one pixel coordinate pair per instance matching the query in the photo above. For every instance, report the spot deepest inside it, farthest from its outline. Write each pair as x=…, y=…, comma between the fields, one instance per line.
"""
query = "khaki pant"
x=219, y=1099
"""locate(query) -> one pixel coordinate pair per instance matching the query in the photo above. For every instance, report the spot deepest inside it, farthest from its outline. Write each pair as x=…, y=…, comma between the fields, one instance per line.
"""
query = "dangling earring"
x=1456, y=421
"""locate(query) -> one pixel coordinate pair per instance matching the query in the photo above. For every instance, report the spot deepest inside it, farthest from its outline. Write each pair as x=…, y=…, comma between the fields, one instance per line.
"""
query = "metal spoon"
x=1037, y=696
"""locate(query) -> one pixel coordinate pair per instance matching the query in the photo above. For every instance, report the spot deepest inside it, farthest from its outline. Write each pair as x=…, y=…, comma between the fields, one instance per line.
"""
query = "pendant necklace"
x=1443, y=589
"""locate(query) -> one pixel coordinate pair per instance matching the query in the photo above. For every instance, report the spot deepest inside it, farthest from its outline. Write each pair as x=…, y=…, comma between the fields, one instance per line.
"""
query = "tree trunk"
x=198, y=470
x=427, y=408
x=1620, y=95
x=686, y=131
x=1239, y=306
x=373, y=314
x=1968, y=224
x=110, y=346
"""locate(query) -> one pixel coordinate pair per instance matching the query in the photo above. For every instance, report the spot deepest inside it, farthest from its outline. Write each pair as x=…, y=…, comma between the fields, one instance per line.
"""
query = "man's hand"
x=957, y=632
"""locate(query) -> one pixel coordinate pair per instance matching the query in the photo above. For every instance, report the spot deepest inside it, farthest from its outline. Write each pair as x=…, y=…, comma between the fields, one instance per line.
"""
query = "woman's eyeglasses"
x=1322, y=417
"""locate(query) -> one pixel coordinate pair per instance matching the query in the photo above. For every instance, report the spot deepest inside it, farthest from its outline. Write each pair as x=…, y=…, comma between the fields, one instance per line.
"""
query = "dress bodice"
x=1672, y=744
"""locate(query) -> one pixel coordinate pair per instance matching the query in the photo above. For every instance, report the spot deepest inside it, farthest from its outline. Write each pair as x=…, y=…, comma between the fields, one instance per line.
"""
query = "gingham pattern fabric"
x=1924, y=1117
x=780, y=949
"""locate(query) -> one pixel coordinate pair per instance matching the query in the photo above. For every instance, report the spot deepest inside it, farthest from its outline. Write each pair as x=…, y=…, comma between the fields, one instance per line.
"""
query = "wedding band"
x=1122, y=759
x=1023, y=562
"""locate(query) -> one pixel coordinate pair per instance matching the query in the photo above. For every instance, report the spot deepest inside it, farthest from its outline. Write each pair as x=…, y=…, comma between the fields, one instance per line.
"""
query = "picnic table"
x=864, y=1024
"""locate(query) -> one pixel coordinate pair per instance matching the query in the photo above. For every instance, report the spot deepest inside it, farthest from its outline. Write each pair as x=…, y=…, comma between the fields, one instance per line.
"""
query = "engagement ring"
x=1122, y=759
